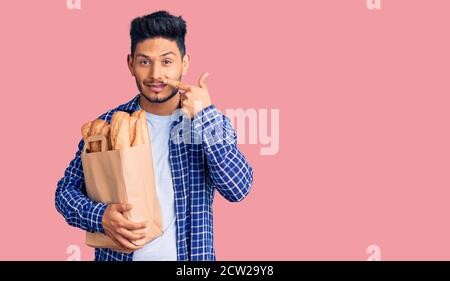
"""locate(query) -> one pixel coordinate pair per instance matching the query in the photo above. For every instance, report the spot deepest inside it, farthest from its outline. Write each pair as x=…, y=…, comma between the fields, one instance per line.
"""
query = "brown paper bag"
x=123, y=176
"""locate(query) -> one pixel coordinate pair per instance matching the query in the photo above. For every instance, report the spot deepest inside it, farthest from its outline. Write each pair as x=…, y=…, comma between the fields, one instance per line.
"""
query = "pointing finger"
x=177, y=84
x=202, y=80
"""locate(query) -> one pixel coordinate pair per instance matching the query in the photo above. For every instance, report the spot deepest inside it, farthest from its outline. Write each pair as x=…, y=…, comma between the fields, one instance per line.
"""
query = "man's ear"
x=186, y=59
x=130, y=64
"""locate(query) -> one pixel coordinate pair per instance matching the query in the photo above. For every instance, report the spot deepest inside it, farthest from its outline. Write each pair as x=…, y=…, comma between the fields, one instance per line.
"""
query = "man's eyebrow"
x=168, y=53
x=141, y=55
x=162, y=55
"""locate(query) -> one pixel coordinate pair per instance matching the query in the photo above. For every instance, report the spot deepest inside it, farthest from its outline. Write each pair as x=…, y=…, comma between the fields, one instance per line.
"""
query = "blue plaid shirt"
x=203, y=156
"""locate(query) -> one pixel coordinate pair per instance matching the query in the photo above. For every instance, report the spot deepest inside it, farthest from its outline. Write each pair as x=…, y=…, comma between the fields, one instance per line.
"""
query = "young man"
x=194, y=153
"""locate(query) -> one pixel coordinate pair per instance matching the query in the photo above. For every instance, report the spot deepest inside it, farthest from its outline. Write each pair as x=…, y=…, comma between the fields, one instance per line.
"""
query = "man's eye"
x=167, y=62
x=145, y=62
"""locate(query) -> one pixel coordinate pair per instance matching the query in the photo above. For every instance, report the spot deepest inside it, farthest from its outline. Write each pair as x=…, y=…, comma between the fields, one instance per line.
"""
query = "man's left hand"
x=193, y=98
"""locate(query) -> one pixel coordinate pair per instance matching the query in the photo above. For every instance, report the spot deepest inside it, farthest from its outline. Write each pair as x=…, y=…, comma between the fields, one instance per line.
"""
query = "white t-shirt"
x=163, y=248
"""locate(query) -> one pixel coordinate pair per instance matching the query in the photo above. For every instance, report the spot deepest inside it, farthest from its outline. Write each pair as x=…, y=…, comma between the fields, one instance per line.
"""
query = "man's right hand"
x=121, y=230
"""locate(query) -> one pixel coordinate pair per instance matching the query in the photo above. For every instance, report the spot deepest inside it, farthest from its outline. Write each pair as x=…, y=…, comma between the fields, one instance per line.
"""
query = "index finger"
x=177, y=84
x=134, y=225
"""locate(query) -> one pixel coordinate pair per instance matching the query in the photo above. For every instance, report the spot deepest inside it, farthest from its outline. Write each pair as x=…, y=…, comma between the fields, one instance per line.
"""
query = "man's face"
x=155, y=59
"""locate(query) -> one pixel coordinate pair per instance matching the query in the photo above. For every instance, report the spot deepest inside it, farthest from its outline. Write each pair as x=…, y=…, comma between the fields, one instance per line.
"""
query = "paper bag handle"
x=90, y=139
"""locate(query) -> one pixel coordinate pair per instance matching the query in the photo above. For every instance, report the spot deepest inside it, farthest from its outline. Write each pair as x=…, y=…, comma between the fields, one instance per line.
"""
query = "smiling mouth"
x=156, y=87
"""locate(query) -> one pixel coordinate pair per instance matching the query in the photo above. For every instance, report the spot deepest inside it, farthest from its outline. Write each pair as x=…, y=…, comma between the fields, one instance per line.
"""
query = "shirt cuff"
x=95, y=216
x=208, y=125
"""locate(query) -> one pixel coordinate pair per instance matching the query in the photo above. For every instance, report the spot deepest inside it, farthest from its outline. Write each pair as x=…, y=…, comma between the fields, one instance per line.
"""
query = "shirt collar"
x=133, y=105
x=130, y=106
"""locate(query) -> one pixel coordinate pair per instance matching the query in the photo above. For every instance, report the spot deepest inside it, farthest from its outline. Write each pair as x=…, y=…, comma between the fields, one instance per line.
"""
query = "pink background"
x=363, y=98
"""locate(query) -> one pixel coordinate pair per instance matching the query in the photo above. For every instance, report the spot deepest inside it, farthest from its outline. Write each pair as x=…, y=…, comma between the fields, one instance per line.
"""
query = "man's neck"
x=165, y=108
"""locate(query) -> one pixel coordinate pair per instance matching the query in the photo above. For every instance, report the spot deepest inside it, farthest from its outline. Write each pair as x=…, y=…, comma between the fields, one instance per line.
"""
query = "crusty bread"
x=138, y=136
x=123, y=135
x=138, y=113
x=85, y=133
x=115, y=126
x=106, y=131
x=141, y=128
x=133, y=120
x=145, y=137
x=96, y=129
x=120, y=130
x=123, y=132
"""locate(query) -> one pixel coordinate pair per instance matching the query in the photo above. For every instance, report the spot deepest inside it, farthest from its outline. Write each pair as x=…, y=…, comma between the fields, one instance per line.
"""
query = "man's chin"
x=160, y=97
x=156, y=98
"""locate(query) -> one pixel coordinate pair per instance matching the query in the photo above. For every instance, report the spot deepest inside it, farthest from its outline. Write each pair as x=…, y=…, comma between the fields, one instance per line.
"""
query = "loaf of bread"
x=106, y=131
x=85, y=133
x=133, y=120
x=96, y=129
x=141, y=128
x=123, y=132
x=138, y=132
x=120, y=130
x=145, y=136
x=138, y=113
x=117, y=115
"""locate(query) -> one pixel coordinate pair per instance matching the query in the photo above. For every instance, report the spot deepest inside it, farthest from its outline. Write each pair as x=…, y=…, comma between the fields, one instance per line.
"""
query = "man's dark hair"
x=158, y=24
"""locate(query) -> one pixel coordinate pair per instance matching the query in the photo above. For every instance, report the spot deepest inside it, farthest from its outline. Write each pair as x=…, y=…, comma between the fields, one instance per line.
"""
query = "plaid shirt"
x=203, y=157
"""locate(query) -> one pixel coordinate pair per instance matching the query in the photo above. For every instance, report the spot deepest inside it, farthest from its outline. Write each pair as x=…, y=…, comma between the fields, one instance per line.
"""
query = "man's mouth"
x=156, y=87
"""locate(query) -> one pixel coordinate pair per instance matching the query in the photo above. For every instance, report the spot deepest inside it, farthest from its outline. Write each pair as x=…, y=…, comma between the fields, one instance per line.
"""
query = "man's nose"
x=156, y=72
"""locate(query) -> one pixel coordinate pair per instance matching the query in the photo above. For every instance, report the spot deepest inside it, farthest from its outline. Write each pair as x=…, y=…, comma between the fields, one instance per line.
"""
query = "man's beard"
x=156, y=99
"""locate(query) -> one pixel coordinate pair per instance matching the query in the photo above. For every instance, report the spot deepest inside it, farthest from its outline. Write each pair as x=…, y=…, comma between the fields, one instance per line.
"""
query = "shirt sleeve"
x=230, y=172
x=73, y=203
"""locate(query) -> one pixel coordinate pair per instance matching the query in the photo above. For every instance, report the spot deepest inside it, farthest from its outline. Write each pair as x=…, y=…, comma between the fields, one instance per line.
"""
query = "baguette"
x=138, y=113
x=85, y=133
x=106, y=131
x=142, y=136
x=120, y=130
x=96, y=129
x=133, y=120
x=145, y=137
x=138, y=137
x=117, y=115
